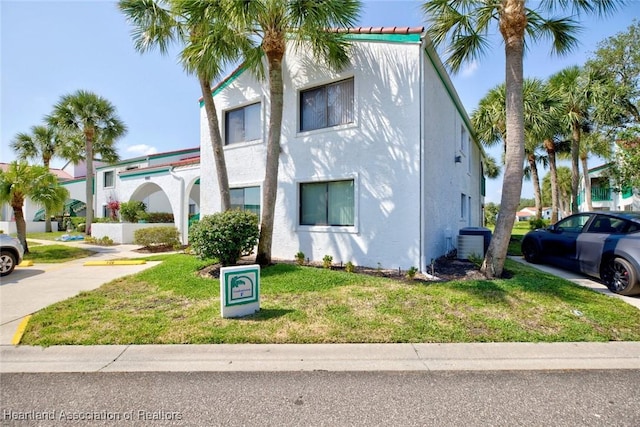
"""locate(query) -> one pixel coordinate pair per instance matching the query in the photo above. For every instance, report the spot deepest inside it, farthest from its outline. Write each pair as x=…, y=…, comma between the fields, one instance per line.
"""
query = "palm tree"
x=43, y=143
x=208, y=45
x=92, y=119
x=465, y=25
x=306, y=25
x=489, y=121
x=22, y=181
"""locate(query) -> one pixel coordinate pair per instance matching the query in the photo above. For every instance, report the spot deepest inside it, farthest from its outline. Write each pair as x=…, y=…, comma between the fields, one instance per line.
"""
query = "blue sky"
x=51, y=48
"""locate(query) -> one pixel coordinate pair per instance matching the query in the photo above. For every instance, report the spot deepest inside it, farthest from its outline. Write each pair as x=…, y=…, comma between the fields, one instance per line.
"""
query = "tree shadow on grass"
x=267, y=314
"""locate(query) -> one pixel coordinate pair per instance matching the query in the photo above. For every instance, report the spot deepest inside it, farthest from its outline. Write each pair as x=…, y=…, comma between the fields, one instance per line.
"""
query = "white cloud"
x=141, y=149
x=470, y=69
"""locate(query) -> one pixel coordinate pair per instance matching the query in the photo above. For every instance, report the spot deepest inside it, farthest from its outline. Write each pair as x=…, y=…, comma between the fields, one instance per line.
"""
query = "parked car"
x=11, y=252
x=605, y=245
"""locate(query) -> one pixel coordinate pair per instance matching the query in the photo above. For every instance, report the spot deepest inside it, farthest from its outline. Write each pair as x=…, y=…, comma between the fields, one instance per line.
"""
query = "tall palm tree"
x=306, y=25
x=208, y=44
x=465, y=26
x=43, y=143
x=575, y=95
x=489, y=121
x=22, y=181
x=92, y=119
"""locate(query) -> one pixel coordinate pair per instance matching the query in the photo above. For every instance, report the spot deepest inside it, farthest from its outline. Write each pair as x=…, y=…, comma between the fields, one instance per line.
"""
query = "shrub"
x=411, y=273
x=81, y=228
x=536, y=223
x=225, y=235
x=326, y=261
x=299, y=258
x=349, y=267
x=129, y=210
x=157, y=236
x=102, y=241
x=160, y=217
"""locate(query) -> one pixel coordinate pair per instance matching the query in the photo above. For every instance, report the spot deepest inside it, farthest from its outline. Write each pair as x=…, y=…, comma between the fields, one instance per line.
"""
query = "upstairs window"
x=243, y=124
x=327, y=106
x=327, y=203
x=108, y=179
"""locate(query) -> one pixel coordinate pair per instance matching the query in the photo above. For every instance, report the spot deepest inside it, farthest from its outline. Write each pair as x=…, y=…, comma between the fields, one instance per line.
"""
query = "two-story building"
x=378, y=165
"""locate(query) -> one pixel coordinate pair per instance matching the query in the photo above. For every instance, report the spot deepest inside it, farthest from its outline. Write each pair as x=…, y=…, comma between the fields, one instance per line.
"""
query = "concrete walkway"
x=30, y=289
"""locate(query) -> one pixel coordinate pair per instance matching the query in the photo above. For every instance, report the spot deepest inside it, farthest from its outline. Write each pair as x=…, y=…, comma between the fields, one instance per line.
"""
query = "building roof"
x=59, y=173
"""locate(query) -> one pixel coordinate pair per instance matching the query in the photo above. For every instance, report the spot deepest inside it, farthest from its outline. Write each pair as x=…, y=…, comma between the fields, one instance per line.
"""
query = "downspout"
x=422, y=240
x=182, y=228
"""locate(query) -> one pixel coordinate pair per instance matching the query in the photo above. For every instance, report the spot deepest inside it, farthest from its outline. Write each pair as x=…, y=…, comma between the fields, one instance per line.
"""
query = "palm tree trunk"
x=89, y=134
x=587, y=182
x=553, y=176
x=537, y=193
x=512, y=24
x=21, y=225
x=47, y=214
x=216, y=143
x=575, y=167
x=263, y=256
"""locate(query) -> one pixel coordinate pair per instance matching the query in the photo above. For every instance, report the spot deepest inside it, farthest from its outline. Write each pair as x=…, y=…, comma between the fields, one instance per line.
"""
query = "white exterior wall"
x=445, y=180
x=381, y=151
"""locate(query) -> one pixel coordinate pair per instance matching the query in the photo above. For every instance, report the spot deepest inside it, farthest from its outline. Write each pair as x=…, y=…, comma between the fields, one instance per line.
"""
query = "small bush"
x=299, y=258
x=326, y=261
x=411, y=273
x=129, y=210
x=535, y=224
x=157, y=236
x=225, y=235
x=349, y=267
x=102, y=241
x=160, y=217
x=81, y=227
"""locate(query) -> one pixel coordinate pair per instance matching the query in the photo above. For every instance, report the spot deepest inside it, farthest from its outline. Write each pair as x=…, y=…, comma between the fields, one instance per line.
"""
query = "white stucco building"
x=377, y=167
x=603, y=195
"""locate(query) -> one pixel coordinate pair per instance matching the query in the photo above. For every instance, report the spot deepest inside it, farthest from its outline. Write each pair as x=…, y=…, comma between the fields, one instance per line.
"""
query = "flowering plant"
x=114, y=207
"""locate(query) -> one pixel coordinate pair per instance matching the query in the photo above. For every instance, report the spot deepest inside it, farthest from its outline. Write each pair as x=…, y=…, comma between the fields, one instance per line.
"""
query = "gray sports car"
x=601, y=244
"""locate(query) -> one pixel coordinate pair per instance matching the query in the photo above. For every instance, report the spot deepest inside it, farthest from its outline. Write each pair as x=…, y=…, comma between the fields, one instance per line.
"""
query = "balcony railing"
x=598, y=194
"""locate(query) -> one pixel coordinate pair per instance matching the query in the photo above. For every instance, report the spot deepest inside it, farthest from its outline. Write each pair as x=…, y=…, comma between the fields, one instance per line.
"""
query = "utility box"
x=478, y=231
x=470, y=246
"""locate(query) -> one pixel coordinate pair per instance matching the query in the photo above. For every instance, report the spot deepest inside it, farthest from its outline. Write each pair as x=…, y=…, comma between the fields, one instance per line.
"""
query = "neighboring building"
x=529, y=213
x=604, y=195
x=378, y=165
x=165, y=182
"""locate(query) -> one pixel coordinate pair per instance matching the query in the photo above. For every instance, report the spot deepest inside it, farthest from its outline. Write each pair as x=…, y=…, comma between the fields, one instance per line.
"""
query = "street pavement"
x=30, y=289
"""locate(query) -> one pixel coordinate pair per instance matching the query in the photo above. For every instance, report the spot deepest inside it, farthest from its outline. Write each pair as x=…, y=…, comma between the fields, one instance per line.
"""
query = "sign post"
x=239, y=290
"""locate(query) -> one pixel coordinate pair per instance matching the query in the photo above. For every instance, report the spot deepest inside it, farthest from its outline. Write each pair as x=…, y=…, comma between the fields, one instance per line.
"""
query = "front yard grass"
x=170, y=303
x=55, y=253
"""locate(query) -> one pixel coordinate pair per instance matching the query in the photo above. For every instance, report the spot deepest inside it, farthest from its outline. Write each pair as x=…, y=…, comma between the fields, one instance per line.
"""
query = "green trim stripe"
x=145, y=173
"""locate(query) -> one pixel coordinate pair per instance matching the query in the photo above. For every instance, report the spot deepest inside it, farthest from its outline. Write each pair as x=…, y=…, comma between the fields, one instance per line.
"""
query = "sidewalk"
x=321, y=357
x=29, y=289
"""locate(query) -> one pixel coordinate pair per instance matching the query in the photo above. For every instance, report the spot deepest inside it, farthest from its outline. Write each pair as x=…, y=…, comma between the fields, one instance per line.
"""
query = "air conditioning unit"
x=470, y=246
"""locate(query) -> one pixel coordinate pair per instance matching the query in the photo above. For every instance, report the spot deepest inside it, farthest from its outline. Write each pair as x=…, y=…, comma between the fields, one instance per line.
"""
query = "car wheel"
x=621, y=278
x=7, y=262
x=530, y=251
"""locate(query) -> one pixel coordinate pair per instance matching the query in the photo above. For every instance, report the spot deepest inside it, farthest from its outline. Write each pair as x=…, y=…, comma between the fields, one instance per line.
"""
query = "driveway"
x=29, y=289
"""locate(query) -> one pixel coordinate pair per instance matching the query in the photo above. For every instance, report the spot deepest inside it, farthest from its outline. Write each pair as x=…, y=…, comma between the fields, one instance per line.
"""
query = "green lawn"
x=50, y=236
x=171, y=303
x=55, y=253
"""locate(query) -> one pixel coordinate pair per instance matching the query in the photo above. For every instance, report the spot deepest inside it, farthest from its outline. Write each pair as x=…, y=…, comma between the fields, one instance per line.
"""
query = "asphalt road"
x=505, y=398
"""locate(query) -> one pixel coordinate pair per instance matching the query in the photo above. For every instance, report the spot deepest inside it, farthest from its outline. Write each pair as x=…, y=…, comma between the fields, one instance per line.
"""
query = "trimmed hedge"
x=157, y=236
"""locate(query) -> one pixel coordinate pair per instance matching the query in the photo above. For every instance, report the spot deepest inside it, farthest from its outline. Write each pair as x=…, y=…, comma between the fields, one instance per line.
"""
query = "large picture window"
x=326, y=106
x=327, y=203
x=247, y=199
x=243, y=124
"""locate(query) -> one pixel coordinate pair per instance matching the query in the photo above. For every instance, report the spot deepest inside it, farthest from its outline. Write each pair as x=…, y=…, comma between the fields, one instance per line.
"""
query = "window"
x=243, y=124
x=326, y=106
x=108, y=179
x=463, y=206
x=573, y=224
x=327, y=203
x=247, y=199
